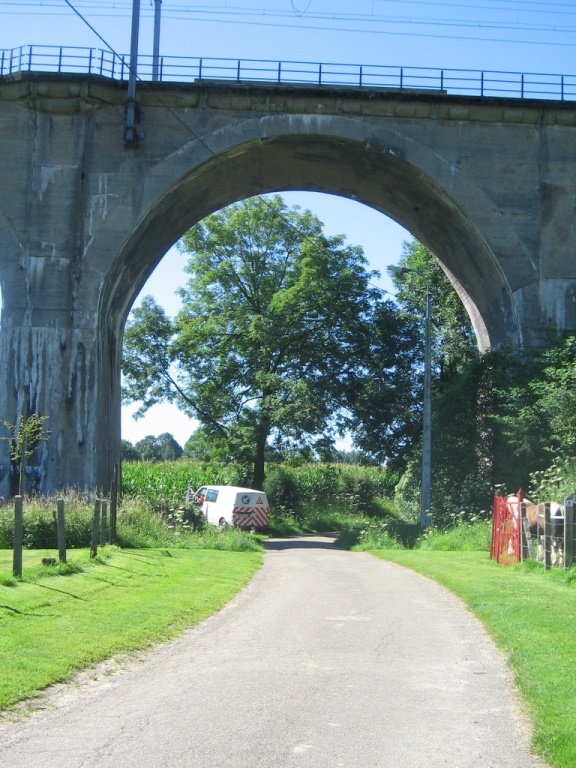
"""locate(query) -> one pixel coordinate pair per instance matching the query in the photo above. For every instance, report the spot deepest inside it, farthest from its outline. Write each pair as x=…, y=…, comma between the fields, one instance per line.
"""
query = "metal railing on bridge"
x=181, y=69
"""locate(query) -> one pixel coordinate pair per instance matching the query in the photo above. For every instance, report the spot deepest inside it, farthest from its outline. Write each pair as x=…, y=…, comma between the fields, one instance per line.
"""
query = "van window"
x=211, y=494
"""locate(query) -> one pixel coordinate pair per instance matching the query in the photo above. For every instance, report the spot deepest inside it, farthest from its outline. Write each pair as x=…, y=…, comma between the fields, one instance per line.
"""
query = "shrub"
x=358, y=493
x=555, y=483
x=282, y=492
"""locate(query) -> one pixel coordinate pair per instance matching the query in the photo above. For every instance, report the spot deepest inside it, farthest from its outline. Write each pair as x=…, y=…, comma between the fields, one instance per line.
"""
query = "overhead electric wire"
x=232, y=13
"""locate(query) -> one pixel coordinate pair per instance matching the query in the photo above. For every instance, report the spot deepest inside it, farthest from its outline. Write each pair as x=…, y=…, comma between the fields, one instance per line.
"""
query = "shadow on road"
x=301, y=542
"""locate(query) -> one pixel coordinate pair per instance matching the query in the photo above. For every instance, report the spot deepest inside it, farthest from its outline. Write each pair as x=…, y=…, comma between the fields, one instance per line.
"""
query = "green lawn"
x=532, y=617
x=52, y=626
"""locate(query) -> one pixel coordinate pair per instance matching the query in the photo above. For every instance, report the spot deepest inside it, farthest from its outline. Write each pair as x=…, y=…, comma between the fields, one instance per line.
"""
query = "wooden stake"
x=18, y=536
x=60, y=526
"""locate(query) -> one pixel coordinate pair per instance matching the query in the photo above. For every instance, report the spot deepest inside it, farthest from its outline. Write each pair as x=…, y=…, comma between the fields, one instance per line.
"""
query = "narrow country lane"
x=327, y=658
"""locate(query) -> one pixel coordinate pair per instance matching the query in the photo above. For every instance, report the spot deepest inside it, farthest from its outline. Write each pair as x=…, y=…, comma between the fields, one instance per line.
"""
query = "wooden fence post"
x=60, y=527
x=18, y=536
x=569, y=531
x=95, y=529
x=527, y=543
x=547, y=537
x=103, y=523
x=113, y=505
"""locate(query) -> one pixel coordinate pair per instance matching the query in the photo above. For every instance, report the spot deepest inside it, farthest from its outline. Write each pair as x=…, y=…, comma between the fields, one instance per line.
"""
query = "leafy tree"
x=170, y=449
x=203, y=446
x=453, y=339
x=148, y=449
x=24, y=439
x=129, y=452
x=282, y=338
x=161, y=448
x=535, y=414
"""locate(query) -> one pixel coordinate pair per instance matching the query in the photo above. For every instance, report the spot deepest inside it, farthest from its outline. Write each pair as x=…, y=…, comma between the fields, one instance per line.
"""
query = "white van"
x=230, y=505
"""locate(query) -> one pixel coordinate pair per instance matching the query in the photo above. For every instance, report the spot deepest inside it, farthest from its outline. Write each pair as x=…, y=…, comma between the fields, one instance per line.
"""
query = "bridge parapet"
x=464, y=82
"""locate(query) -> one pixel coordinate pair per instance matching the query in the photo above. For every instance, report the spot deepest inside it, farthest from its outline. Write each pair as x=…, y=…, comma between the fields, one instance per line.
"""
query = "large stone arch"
x=376, y=173
x=486, y=185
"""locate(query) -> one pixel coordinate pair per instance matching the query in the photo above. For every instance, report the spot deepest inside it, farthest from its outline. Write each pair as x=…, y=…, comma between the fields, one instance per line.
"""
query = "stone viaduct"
x=487, y=184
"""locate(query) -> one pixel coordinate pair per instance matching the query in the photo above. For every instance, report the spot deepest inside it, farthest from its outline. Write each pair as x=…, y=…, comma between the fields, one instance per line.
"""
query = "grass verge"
x=531, y=616
x=53, y=625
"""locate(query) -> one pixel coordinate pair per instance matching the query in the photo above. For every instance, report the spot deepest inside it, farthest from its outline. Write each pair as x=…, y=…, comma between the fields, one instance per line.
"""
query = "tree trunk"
x=260, y=448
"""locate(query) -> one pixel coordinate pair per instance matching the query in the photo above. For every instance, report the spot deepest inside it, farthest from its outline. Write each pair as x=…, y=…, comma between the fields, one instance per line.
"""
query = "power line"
x=233, y=13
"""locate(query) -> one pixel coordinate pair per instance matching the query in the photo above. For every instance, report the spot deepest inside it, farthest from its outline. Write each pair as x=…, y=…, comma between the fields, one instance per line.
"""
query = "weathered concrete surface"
x=487, y=184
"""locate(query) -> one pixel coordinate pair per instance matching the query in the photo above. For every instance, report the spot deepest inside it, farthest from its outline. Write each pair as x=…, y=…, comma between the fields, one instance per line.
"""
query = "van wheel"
x=223, y=523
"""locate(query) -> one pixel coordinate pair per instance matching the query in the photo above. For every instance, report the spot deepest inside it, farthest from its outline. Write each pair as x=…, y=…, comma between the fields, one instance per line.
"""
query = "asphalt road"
x=326, y=659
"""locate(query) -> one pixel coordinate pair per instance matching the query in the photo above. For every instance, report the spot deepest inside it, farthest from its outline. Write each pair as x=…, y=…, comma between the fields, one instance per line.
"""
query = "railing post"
x=238, y=71
x=279, y=72
x=401, y=78
x=101, y=62
x=319, y=74
x=29, y=59
x=481, y=83
x=562, y=88
x=441, y=79
x=360, y=75
x=522, y=86
x=200, y=70
x=60, y=59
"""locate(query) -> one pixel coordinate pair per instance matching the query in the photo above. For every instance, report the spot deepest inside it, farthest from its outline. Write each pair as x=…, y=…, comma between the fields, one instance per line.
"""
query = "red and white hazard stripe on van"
x=250, y=517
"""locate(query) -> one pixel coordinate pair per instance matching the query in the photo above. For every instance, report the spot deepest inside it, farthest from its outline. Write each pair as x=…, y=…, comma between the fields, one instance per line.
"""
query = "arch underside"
x=350, y=169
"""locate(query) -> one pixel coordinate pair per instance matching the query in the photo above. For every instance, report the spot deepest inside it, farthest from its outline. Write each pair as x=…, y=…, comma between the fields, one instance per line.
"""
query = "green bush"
x=358, y=493
x=555, y=483
x=282, y=492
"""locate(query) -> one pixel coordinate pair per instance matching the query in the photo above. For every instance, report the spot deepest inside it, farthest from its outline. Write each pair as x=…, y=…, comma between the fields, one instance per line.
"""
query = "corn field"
x=165, y=483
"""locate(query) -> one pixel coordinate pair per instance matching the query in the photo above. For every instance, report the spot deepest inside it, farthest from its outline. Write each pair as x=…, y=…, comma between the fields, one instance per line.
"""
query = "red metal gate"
x=505, y=546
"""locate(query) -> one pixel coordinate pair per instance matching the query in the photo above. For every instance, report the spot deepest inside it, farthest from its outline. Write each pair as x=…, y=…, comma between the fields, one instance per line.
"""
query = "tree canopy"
x=282, y=337
x=161, y=448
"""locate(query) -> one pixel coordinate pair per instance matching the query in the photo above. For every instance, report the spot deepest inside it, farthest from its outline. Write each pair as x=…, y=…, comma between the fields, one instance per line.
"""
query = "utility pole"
x=156, y=47
x=427, y=418
x=130, y=131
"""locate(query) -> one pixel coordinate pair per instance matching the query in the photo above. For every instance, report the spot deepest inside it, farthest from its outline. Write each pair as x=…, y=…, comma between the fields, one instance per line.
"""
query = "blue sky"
x=506, y=35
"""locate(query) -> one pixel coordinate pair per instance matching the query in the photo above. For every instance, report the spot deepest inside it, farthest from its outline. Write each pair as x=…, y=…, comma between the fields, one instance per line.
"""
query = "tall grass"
x=139, y=525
